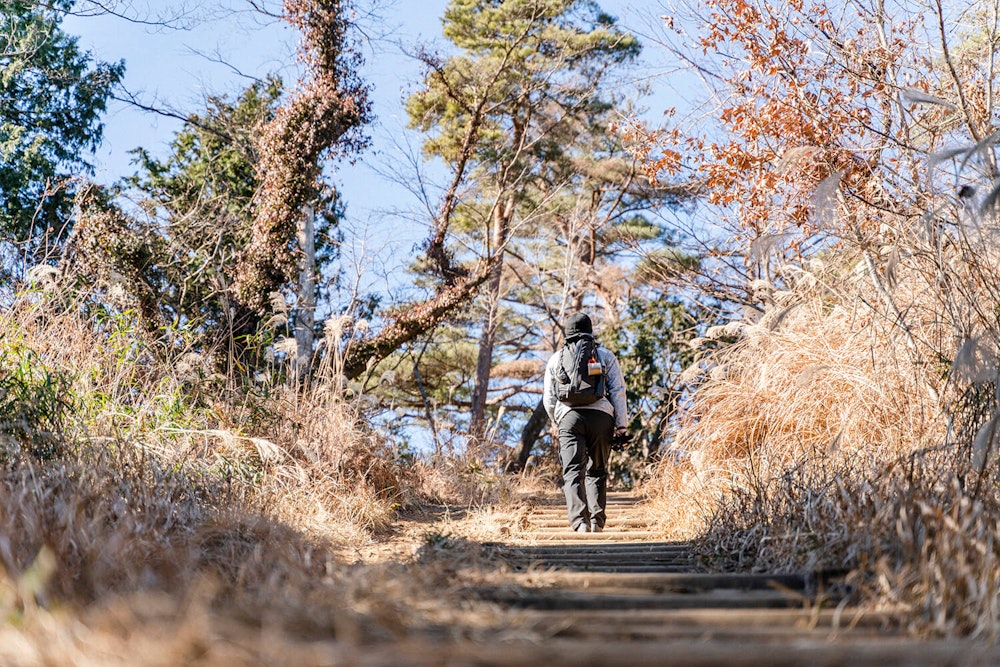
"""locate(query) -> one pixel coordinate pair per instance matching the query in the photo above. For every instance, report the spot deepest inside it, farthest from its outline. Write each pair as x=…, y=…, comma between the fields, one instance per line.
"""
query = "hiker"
x=585, y=398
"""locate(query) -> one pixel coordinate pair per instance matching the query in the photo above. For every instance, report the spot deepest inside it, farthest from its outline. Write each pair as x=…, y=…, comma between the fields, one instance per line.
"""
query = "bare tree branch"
x=411, y=321
x=130, y=98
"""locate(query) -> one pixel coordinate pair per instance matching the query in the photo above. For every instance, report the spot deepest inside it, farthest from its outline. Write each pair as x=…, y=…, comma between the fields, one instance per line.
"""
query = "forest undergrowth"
x=151, y=506
x=850, y=426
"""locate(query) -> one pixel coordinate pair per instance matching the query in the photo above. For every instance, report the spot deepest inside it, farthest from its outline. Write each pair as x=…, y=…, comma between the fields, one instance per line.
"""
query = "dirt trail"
x=623, y=597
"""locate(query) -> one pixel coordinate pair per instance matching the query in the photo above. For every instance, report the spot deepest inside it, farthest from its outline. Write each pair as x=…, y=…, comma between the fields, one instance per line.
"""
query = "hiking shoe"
x=596, y=528
x=582, y=528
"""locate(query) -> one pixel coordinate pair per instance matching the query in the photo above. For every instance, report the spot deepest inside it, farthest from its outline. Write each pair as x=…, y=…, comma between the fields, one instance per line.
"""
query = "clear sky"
x=214, y=46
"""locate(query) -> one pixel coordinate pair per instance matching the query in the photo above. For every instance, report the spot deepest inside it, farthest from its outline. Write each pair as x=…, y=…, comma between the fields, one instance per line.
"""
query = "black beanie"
x=578, y=323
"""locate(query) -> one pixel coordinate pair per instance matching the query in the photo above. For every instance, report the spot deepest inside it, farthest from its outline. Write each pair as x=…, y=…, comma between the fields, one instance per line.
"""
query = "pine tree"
x=52, y=96
x=526, y=87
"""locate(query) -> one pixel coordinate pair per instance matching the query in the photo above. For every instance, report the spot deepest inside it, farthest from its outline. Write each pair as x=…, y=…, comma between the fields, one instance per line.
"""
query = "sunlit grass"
x=837, y=433
x=152, y=509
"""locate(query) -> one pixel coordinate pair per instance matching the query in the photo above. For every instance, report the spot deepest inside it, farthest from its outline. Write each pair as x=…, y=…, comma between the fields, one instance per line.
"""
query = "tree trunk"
x=484, y=362
x=529, y=436
x=305, y=311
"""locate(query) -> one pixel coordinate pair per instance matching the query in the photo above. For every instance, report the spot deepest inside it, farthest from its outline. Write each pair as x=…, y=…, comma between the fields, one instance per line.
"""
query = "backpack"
x=579, y=377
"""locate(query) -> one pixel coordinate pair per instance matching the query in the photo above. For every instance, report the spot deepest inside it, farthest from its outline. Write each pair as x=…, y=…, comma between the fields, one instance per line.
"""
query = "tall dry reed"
x=849, y=426
x=817, y=376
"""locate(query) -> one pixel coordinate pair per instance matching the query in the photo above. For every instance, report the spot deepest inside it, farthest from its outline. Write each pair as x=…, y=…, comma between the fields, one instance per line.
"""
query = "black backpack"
x=579, y=376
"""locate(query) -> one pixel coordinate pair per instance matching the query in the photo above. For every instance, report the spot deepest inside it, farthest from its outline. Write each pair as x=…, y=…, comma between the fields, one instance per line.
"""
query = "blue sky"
x=222, y=43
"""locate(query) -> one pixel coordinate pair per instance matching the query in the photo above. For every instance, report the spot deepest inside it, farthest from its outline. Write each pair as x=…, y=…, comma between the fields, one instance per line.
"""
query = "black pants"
x=584, y=448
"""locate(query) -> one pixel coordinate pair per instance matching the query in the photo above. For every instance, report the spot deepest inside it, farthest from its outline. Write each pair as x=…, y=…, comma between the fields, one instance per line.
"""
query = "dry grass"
x=918, y=533
x=801, y=384
x=306, y=454
x=834, y=435
x=155, y=512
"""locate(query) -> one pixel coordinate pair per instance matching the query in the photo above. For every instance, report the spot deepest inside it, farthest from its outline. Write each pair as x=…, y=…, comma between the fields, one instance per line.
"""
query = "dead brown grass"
x=169, y=515
x=834, y=435
x=803, y=383
x=918, y=534
x=304, y=453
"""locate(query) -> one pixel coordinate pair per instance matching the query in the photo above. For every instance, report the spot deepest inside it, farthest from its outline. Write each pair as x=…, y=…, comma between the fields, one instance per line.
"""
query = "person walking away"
x=584, y=396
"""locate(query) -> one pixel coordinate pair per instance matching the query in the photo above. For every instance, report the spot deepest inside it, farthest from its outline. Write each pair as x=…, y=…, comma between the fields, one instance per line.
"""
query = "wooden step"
x=680, y=582
x=664, y=566
x=570, y=536
x=567, y=600
x=610, y=535
x=596, y=556
x=829, y=618
x=657, y=629
x=630, y=558
x=604, y=568
x=610, y=525
x=647, y=547
x=643, y=600
x=584, y=560
x=563, y=527
x=694, y=652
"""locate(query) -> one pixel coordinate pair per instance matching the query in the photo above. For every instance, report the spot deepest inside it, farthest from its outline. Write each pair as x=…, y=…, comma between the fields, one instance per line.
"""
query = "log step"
x=658, y=630
x=643, y=600
x=570, y=536
x=693, y=652
x=646, y=547
x=561, y=522
x=680, y=582
x=568, y=600
x=569, y=560
x=828, y=618
x=666, y=568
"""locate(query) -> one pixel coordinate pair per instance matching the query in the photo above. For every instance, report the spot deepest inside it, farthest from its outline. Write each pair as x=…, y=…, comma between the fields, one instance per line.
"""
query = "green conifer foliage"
x=52, y=96
x=523, y=93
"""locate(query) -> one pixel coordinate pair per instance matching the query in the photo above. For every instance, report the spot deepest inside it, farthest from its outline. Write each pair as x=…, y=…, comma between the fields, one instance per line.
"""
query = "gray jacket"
x=614, y=388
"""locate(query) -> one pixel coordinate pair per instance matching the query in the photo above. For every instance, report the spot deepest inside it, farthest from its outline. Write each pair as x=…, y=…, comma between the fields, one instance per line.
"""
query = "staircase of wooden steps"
x=627, y=597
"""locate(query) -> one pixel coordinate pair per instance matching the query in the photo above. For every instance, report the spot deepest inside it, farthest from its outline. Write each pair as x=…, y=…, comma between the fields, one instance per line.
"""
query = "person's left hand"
x=620, y=439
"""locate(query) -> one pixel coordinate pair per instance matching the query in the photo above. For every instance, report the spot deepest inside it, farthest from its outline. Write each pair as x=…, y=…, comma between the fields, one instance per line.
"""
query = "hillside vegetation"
x=217, y=446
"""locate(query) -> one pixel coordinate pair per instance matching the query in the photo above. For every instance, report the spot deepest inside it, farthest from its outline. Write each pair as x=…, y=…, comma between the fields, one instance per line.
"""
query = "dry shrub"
x=919, y=534
x=818, y=376
x=347, y=474
x=825, y=438
x=110, y=520
x=681, y=503
x=466, y=481
x=109, y=559
x=306, y=454
x=182, y=515
x=460, y=482
x=809, y=385
x=155, y=419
